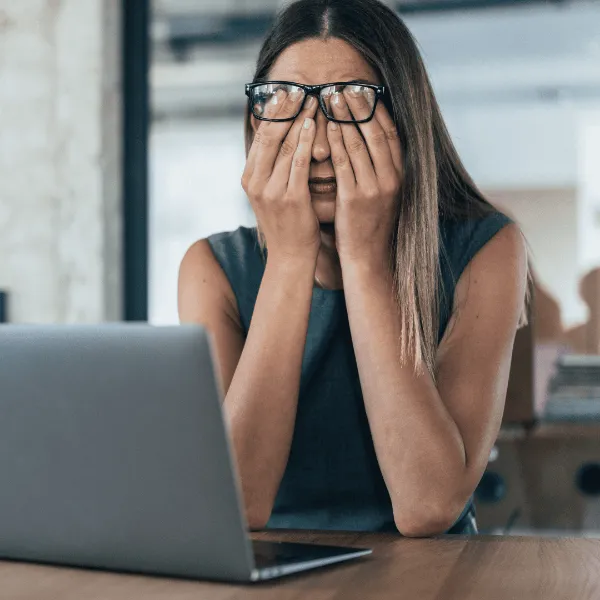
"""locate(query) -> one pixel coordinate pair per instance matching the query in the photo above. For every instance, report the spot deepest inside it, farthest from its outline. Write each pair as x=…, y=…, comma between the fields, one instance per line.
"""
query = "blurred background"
x=122, y=144
x=519, y=86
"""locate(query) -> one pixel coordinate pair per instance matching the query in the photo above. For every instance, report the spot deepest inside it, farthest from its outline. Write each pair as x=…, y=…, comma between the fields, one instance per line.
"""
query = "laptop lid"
x=113, y=452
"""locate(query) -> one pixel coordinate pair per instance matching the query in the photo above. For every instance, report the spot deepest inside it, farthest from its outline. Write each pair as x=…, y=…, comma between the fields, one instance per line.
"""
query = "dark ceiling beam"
x=188, y=31
x=432, y=6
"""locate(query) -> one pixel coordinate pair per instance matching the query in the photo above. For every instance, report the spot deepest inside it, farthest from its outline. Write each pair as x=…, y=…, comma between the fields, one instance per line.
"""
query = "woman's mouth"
x=322, y=185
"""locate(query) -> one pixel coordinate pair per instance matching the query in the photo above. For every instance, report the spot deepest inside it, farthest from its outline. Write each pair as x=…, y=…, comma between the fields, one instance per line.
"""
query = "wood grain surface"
x=446, y=568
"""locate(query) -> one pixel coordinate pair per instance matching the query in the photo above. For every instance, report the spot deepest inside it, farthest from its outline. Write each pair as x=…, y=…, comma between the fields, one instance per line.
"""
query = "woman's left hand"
x=368, y=170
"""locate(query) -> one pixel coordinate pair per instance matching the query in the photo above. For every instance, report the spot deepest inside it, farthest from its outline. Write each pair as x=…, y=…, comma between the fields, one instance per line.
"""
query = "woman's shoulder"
x=240, y=237
x=238, y=252
x=240, y=257
x=227, y=264
x=461, y=237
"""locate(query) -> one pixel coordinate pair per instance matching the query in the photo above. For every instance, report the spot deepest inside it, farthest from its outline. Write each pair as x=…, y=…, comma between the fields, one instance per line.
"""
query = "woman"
x=364, y=355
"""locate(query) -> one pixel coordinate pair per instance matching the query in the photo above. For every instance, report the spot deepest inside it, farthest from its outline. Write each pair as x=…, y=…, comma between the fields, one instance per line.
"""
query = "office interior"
x=123, y=124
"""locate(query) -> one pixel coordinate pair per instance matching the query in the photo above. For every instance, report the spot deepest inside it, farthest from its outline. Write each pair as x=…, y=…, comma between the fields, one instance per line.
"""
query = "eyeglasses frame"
x=315, y=90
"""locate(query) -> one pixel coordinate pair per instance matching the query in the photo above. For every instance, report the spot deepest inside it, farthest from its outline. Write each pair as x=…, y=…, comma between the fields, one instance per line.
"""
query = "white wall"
x=60, y=159
x=195, y=167
x=589, y=190
x=517, y=145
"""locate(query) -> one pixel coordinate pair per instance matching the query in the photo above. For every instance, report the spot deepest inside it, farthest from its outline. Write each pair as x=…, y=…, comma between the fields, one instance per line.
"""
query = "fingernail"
x=333, y=125
x=279, y=95
x=310, y=102
x=307, y=123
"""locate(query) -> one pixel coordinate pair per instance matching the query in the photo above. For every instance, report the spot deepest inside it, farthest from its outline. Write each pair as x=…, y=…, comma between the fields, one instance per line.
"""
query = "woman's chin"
x=324, y=209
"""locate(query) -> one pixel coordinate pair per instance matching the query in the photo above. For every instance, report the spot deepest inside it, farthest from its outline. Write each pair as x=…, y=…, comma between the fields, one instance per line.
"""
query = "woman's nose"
x=320, y=149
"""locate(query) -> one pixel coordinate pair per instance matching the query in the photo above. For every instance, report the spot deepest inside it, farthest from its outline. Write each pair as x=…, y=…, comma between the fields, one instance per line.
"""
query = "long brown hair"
x=435, y=184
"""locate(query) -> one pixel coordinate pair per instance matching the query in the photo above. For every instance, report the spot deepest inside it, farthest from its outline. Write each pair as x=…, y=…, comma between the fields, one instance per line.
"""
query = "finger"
x=270, y=111
x=344, y=174
x=361, y=107
x=384, y=118
x=289, y=145
x=301, y=160
x=356, y=147
x=270, y=134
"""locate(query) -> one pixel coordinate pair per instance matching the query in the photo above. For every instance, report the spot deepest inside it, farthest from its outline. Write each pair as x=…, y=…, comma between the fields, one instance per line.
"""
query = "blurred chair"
x=561, y=473
x=544, y=476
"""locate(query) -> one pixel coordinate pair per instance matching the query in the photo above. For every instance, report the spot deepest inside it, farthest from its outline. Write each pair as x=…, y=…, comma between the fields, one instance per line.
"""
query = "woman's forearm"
x=418, y=445
x=261, y=401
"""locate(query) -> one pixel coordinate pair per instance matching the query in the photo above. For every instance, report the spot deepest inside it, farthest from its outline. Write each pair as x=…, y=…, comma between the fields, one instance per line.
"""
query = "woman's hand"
x=368, y=171
x=276, y=179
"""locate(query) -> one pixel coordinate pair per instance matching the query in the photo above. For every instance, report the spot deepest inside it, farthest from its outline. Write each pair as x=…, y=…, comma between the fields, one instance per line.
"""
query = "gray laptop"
x=114, y=455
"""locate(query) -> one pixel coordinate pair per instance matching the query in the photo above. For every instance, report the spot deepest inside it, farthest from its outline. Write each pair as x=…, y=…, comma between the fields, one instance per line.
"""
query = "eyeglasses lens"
x=277, y=101
x=359, y=100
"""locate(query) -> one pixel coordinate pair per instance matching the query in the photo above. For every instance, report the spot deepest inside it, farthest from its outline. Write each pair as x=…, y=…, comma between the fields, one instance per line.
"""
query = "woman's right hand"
x=276, y=179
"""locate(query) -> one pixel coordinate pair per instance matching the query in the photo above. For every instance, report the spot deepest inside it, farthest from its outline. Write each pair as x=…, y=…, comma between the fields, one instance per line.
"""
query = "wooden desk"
x=461, y=568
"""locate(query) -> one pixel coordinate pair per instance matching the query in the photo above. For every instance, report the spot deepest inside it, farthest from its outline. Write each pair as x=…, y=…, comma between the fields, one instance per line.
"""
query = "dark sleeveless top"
x=332, y=479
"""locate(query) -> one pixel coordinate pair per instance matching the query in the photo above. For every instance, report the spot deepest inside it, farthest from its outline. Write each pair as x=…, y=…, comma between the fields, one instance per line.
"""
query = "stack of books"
x=574, y=391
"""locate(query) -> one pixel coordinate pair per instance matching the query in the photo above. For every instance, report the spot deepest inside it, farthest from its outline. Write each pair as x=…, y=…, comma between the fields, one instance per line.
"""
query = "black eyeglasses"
x=290, y=97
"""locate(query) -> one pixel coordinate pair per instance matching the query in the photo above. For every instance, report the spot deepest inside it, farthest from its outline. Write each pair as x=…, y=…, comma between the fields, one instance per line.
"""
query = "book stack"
x=574, y=391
